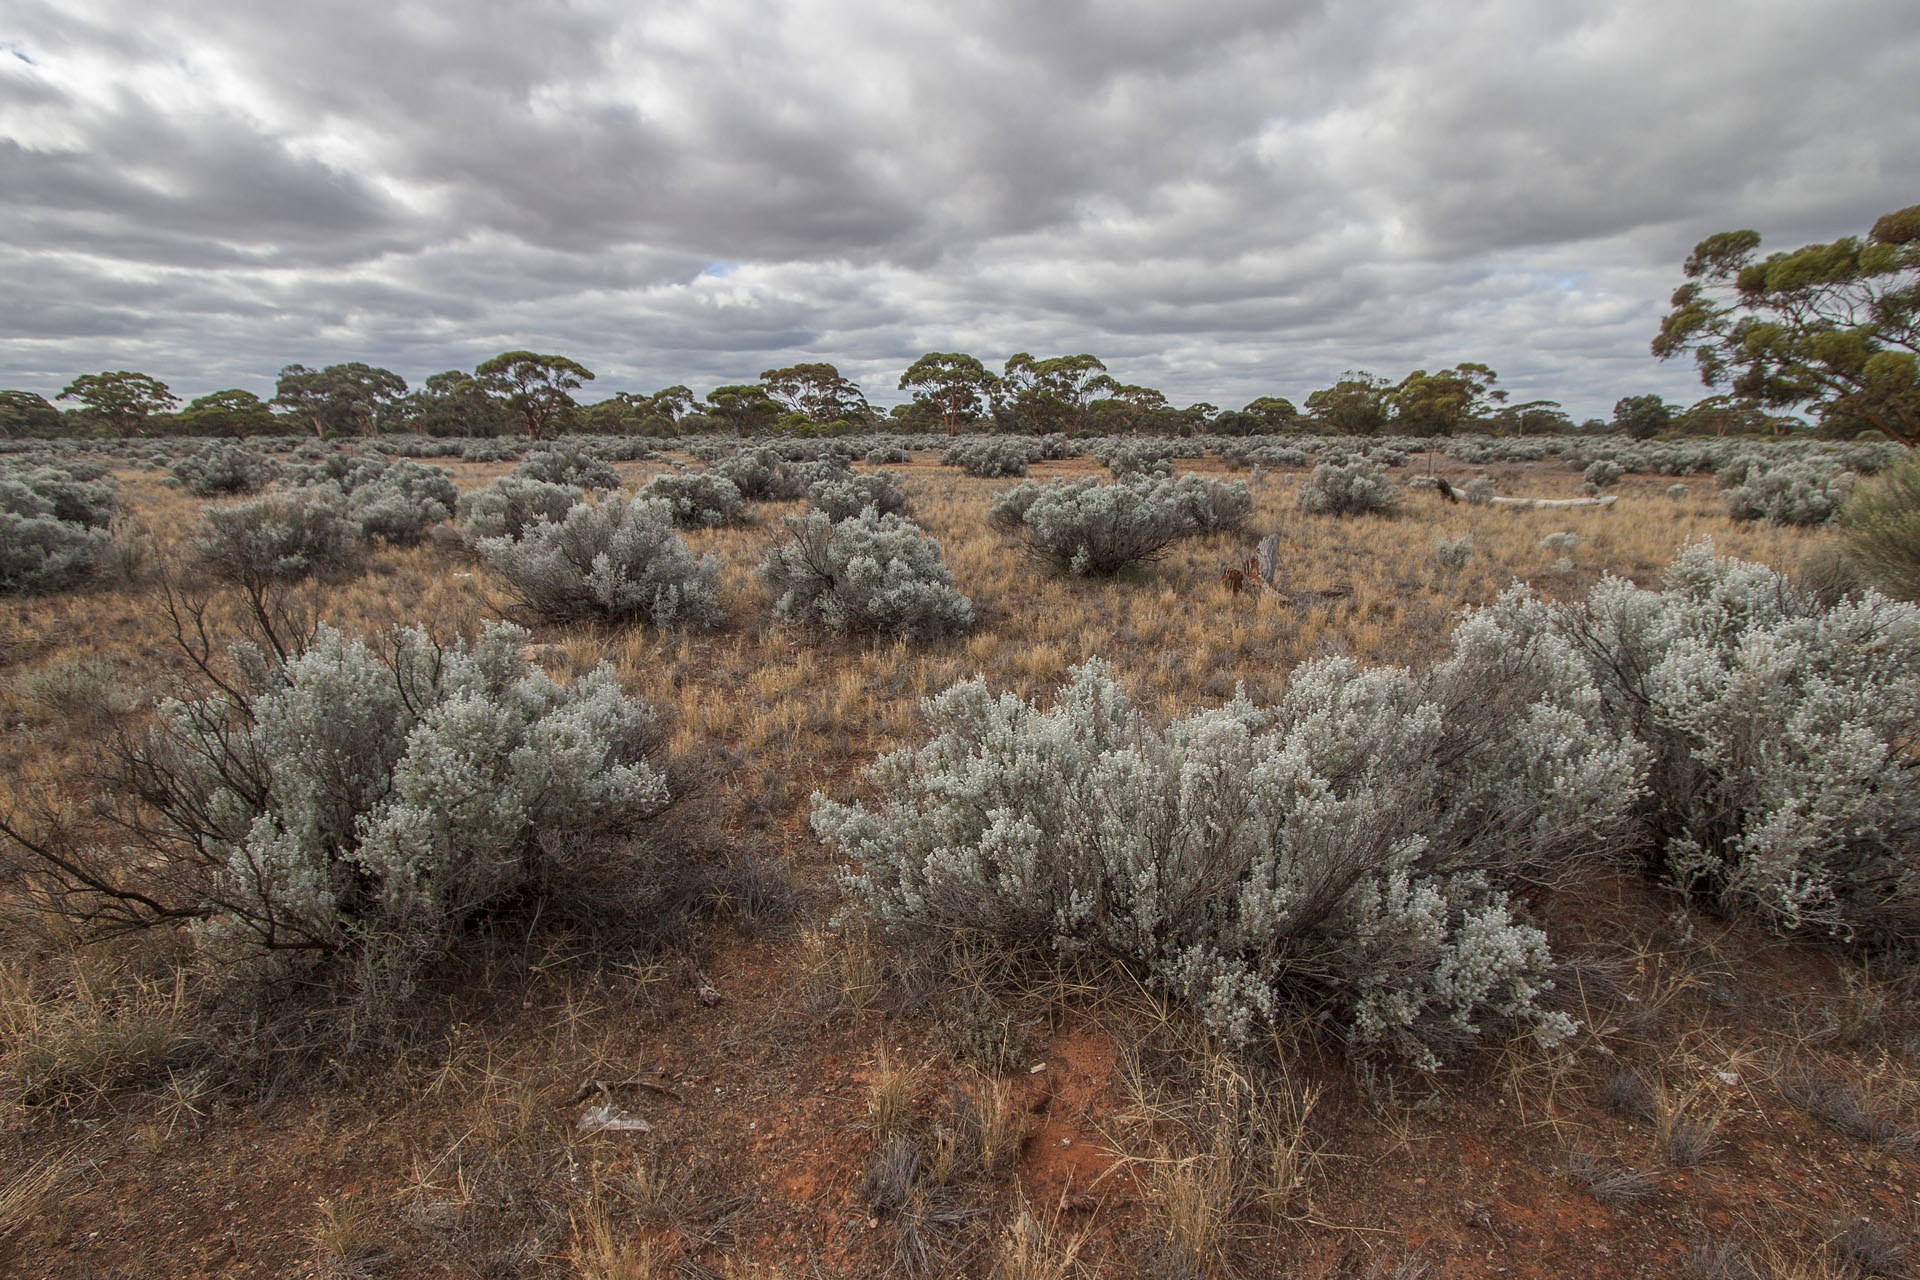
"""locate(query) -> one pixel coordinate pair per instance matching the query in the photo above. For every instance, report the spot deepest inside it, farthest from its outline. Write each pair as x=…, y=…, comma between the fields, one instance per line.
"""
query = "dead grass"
x=1261, y=1163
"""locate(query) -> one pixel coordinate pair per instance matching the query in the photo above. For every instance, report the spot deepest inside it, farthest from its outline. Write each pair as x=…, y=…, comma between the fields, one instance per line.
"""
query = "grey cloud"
x=1243, y=200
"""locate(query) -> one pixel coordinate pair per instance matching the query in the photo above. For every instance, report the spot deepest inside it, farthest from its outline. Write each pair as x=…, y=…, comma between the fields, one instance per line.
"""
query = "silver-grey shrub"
x=220, y=469
x=506, y=507
x=699, y=499
x=281, y=536
x=53, y=528
x=848, y=496
x=1350, y=849
x=568, y=465
x=1791, y=493
x=1209, y=505
x=1780, y=737
x=869, y=574
x=1127, y=458
x=989, y=457
x=619, y=560
x=373, y=797
x=1603, y=472
x=400, y=502
x=1351, y=488
x=1093, y=530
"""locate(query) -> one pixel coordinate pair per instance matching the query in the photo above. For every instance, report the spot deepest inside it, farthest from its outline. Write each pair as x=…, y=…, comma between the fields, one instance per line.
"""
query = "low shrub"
x=220, y=470
x=569, y=466
x=278, y=537
x=619, y=560
x=698, y=499
x=1129, y=458
x=989, y=458
x=1093, y=530
x=1207, y=505
x=1779, y=734
x=1793, y=493
x=401, y=501
x=1882, y=529
x=506, y=507
x=1346, y=489
x=848, y=496
x=870, y=573
x=1603, y=473
x=1349, y=849
x=358, y=803
x=760, y=474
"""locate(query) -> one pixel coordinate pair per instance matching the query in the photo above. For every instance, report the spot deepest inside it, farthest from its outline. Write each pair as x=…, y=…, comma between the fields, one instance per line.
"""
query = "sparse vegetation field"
x=687, y=1045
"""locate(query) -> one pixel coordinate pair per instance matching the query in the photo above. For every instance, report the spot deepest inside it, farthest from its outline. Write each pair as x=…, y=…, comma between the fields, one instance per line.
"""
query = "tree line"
x=530, y=394
x=1830, y=328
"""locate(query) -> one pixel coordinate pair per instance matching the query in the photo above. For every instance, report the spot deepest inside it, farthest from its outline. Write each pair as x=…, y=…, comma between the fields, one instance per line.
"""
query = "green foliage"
x=743, y=409
x=818, y=392
x=1439, y=404
x=22, y=413
x=341, y=399
x=1642, y=417
x=1835, y=326
x=1881, y=520
x=234, y=413
x=532, y=388
x=1052, y=394
x=123, y=401
x=956, y=385
x=1357, y=405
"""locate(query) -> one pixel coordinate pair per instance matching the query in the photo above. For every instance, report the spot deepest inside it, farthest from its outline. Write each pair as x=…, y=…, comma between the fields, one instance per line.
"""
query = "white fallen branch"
x=1530, y=503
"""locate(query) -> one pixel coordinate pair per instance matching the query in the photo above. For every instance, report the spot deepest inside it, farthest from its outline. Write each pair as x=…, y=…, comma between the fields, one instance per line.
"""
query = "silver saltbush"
x=1350, y=848
x=569, y=465
x=989, y=457
x=280, y=536
x=1780, y=737
x=1208, y=505
x=377, y=796
x=506, y=507
x=53, y=527
x=1352, y=488
x=849, y=495
x=700, y=499
x=1093, y=530
x=619, y=560
x=220, y=469
x=1798, y=493
x=867, y=574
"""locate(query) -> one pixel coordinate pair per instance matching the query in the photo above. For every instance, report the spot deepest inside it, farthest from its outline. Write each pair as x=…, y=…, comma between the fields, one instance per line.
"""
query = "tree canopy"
x=339, y=399
x=1835, y=327
x=533, y=388
x=958, y=386
x=122, y=400
x=817, y=391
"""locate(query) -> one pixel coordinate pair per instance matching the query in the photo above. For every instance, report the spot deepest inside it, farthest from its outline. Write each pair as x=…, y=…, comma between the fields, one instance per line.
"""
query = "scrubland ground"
x=814, y=1104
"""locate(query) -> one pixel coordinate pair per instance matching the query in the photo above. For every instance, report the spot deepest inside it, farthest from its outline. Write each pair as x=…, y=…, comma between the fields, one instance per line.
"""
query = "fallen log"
x=1530, y=503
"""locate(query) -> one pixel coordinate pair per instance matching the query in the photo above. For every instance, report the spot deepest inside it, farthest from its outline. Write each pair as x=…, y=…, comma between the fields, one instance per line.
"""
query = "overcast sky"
x=1222, y=200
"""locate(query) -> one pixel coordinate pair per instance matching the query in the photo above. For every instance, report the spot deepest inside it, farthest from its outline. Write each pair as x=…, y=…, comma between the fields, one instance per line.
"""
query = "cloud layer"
x=1241, y=202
